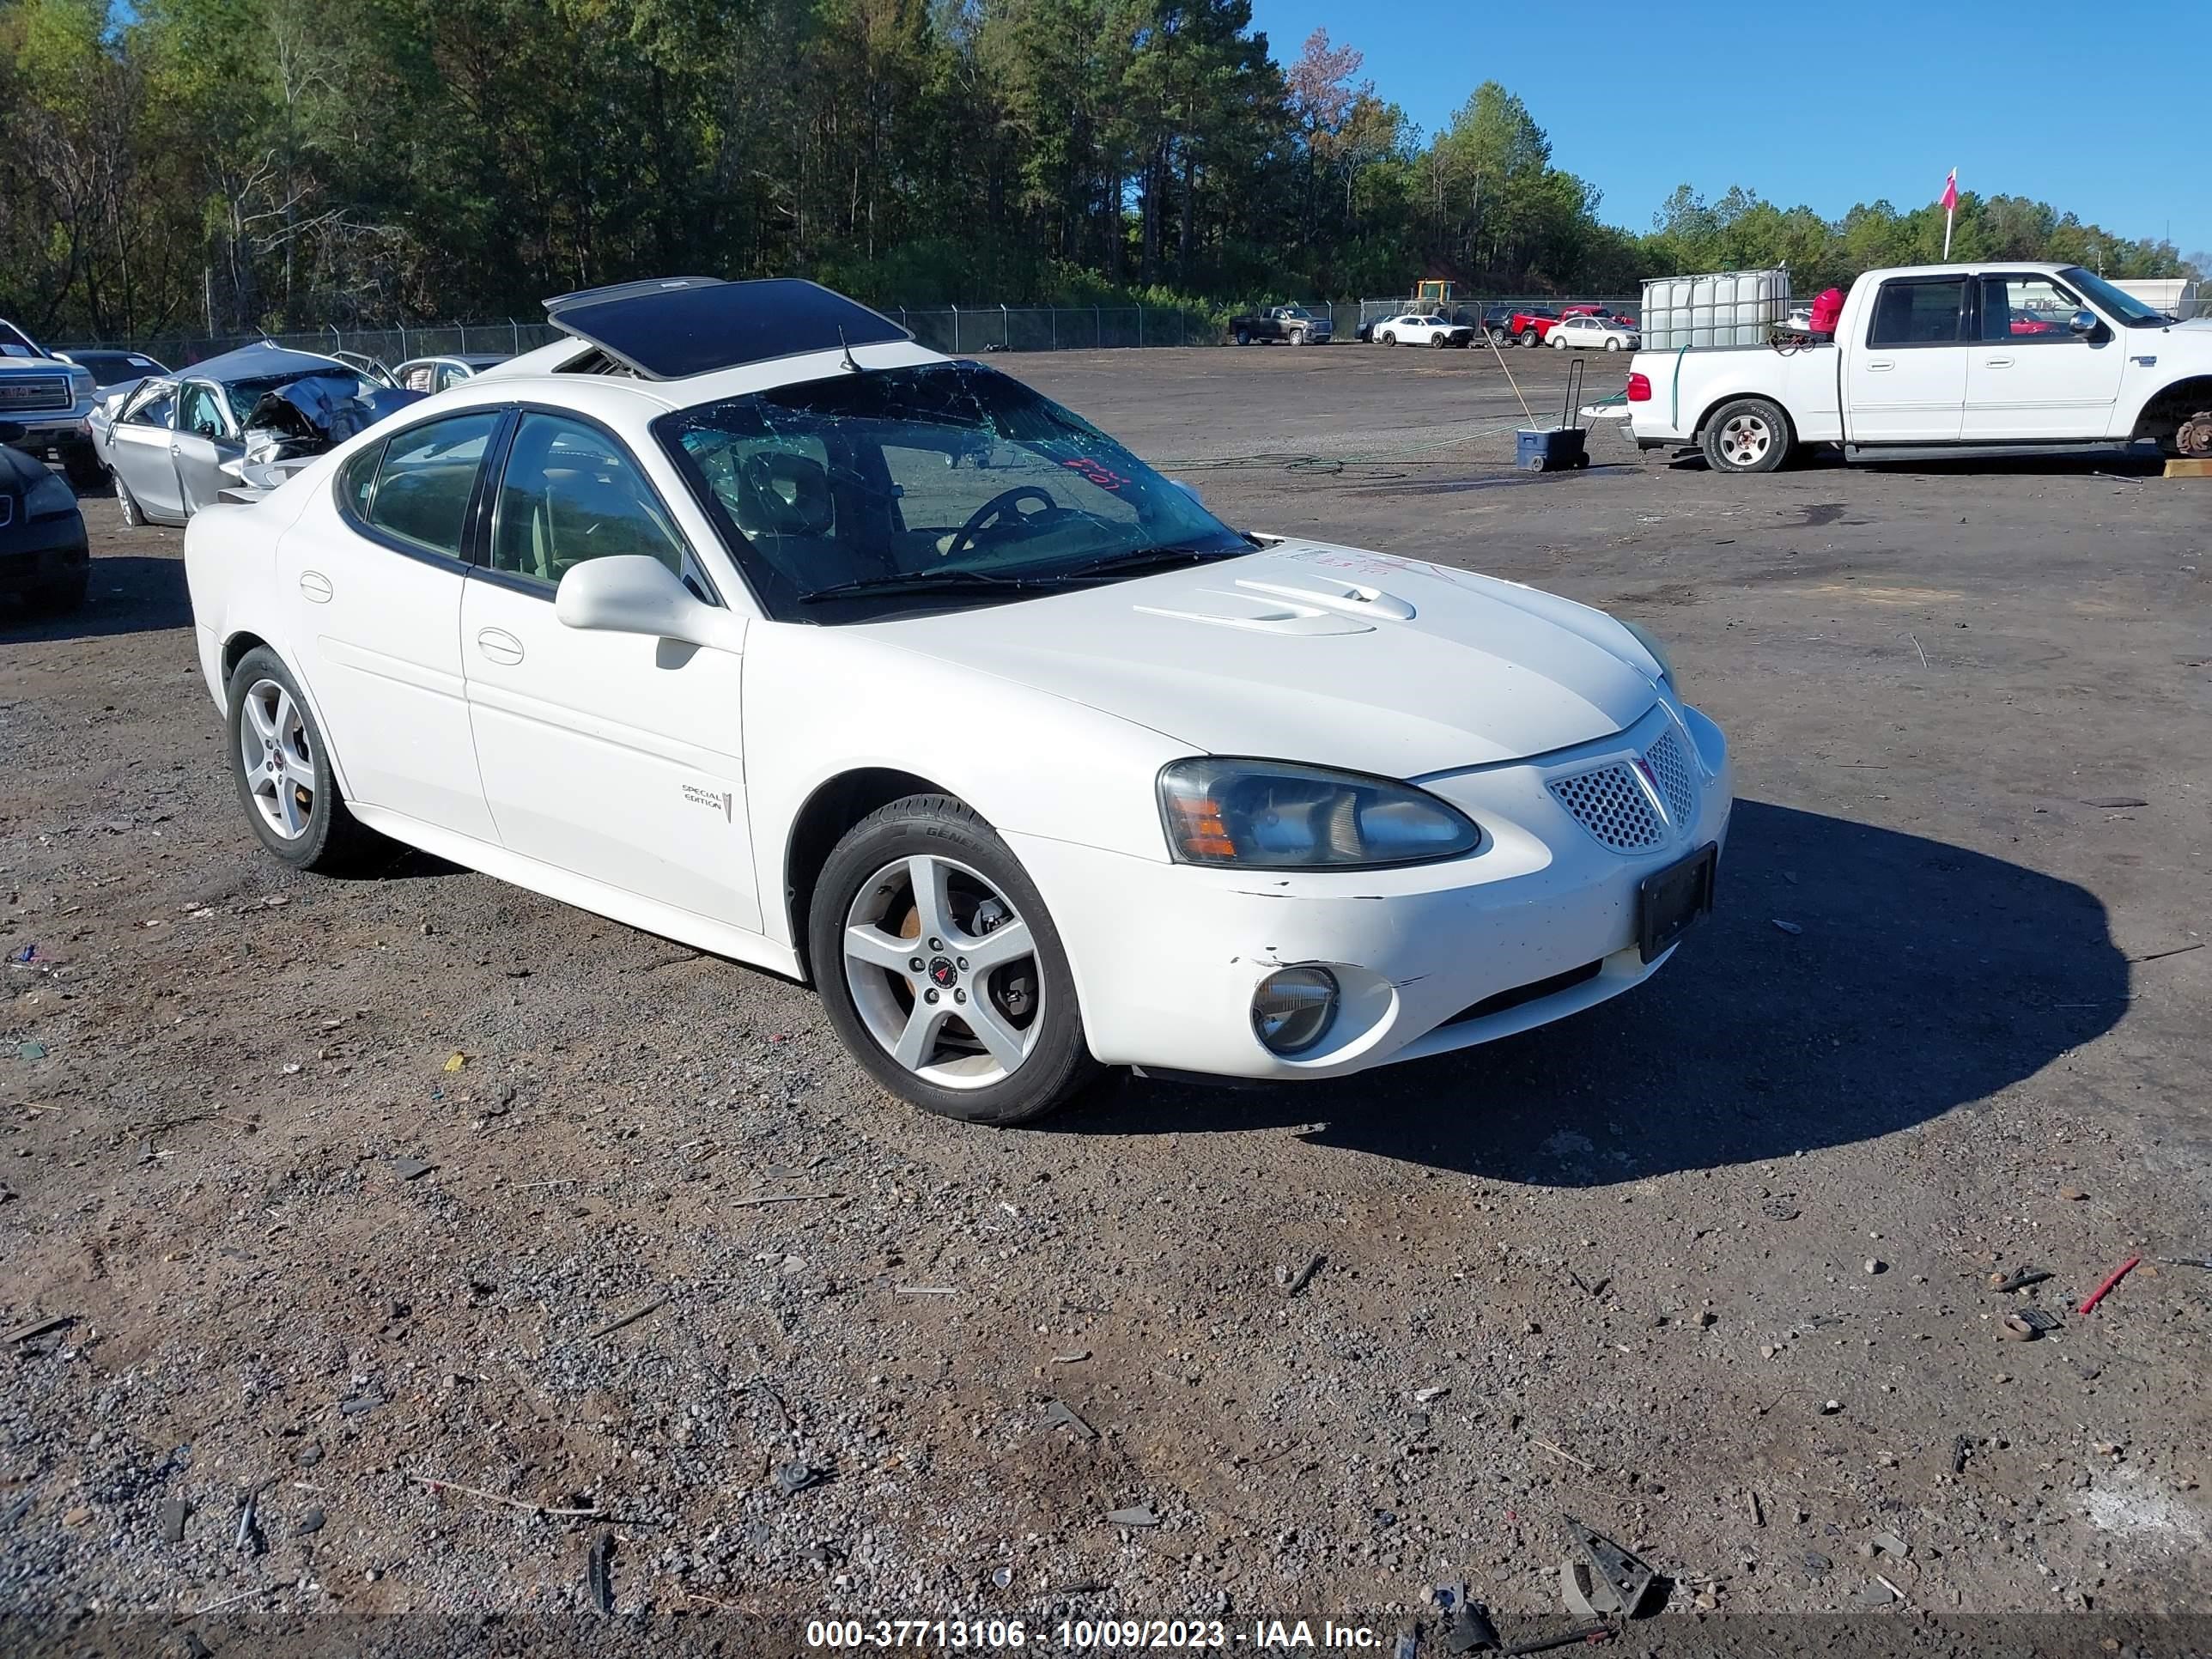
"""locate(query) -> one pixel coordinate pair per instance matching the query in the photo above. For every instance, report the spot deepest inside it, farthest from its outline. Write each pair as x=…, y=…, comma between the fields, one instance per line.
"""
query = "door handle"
x=315, y=587
x=499, y=645
x=1879, y=365
x=1996, y=362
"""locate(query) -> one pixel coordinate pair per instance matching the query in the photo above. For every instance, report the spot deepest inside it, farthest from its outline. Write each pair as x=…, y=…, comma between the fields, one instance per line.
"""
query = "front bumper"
x=46, y=431
x=1537, y=923
x=38, y=553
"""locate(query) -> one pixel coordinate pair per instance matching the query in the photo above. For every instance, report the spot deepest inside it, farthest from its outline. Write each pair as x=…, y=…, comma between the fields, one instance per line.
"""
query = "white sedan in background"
x=740, y=617
x=1592, y=334
x=1423, y=328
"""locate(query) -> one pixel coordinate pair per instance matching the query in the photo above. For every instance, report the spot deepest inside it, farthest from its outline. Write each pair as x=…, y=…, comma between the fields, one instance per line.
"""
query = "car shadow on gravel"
x=1913, y=978
x=128, y=594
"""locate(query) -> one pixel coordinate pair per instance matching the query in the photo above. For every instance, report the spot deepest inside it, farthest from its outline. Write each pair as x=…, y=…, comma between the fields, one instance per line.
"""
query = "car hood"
x=1327, y=655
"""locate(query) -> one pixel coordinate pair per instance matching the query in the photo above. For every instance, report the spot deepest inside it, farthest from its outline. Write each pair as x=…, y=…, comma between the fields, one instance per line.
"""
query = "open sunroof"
x=675, y=326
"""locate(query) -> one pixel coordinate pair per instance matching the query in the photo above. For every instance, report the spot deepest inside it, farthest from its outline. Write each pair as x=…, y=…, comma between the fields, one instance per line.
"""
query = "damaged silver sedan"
x=181, y=441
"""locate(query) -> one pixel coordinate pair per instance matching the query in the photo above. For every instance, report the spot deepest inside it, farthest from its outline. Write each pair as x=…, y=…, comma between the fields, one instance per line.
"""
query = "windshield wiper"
x=1145, y=558
x=917, y=582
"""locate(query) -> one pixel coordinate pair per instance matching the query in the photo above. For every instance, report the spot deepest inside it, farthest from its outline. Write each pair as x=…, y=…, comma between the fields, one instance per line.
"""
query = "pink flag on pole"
x=1950, y=192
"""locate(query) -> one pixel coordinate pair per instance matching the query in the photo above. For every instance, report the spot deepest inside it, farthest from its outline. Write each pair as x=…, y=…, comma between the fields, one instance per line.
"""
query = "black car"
x=44, y=558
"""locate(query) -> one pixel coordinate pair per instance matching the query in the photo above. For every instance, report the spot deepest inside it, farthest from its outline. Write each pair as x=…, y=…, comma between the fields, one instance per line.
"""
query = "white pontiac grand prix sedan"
x=740, y=617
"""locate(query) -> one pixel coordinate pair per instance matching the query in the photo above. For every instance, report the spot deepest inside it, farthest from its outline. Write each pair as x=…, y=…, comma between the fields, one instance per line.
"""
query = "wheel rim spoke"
x=877, y=949
x=259, y=718
x=1008, y=942
x=932, y=897
x=1005, y=1044
x=918, y=1041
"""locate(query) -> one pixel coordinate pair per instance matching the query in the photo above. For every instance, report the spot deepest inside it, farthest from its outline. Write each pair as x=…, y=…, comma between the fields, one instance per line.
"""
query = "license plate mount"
x=1668, y=901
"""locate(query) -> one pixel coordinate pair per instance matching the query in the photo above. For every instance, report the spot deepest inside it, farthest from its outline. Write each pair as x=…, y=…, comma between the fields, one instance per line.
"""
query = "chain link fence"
x=958, y=330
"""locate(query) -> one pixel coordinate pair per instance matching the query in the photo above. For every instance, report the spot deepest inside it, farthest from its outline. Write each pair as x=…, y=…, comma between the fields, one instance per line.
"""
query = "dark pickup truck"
x=1290, y=325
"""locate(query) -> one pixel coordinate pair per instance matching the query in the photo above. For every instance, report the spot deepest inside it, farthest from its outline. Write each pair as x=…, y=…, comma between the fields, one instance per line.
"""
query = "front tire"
x=987, y=1028
x=1298, y=336
x=1613, y=346
x=281, y=769
x=81, y=466
x=1439, y=341
x=1389, y=337
x=1750, y=434
x=133, y=515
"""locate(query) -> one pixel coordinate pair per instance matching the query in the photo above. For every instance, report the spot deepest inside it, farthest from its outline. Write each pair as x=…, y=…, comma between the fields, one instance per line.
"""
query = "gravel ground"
x=341, y=1189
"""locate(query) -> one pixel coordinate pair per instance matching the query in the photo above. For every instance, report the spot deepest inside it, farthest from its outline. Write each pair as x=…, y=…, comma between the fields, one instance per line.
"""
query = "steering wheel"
x=995, y=509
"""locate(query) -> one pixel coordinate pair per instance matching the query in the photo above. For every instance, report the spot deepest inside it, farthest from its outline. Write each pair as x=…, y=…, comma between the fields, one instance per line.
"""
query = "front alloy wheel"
x=940, y=970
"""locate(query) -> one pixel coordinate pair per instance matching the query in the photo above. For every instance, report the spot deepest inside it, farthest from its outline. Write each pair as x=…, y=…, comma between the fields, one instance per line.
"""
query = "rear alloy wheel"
x=1528, y=339
x=1497, y=336
x=1748, y=435
x=940, y=970
x=282, y=768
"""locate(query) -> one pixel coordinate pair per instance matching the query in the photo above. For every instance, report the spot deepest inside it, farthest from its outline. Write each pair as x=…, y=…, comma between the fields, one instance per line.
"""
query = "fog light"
x=1293, y=1008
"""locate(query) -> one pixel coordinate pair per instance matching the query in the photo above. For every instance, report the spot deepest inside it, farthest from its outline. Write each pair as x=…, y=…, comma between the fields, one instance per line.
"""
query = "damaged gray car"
x=181, y=441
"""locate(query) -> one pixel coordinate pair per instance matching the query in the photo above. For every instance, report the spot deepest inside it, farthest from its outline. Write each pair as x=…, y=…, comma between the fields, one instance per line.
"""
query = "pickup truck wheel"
x=1298, y=336
x=1748, y=435
x=1527, y=338
x=1244, y=336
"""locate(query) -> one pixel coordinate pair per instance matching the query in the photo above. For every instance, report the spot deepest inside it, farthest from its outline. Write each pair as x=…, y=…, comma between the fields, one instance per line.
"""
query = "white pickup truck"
x=1941, y=360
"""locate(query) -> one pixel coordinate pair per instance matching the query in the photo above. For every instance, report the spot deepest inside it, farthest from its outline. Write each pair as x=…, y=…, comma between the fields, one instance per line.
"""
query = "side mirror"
x=631, y=593
x=2083, y=322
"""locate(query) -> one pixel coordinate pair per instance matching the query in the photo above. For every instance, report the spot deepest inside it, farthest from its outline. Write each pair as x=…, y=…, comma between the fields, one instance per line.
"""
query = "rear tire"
x=1244, y=337
x=1751, y=434
x=290, y=793
x=869, y=895
x=1527, y=338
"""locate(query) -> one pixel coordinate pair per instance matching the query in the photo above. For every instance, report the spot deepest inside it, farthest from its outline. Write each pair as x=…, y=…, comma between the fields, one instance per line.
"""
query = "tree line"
x=229, y=165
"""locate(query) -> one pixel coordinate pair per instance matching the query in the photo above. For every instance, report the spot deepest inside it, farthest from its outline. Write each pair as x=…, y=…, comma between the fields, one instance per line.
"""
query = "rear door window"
x=1918, y=311
x=428, y=475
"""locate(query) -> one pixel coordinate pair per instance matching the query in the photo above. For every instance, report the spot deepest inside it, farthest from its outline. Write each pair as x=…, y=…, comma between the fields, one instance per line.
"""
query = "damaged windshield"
x=948, y=484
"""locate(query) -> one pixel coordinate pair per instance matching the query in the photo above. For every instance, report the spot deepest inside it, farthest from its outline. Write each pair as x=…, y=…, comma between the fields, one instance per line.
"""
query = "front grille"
x=1672, y=767
x=1532, y=991
x=1611, y=804
x=31, y=392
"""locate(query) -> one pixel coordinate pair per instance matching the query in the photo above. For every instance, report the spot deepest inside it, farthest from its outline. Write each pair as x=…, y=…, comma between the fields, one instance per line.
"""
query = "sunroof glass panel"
x=668, y=333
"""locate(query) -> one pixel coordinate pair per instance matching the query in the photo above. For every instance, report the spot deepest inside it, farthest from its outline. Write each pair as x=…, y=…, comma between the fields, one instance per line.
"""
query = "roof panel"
x=671, y=328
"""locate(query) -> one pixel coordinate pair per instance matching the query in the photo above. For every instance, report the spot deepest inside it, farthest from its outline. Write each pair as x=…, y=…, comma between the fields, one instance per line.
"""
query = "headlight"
x=49, y=498
x=1649, y=641
x=80, y=385
x=1272, y=815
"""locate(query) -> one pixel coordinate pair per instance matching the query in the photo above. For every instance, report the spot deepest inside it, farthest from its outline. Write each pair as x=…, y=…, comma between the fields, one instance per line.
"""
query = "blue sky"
x=2091, y=110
